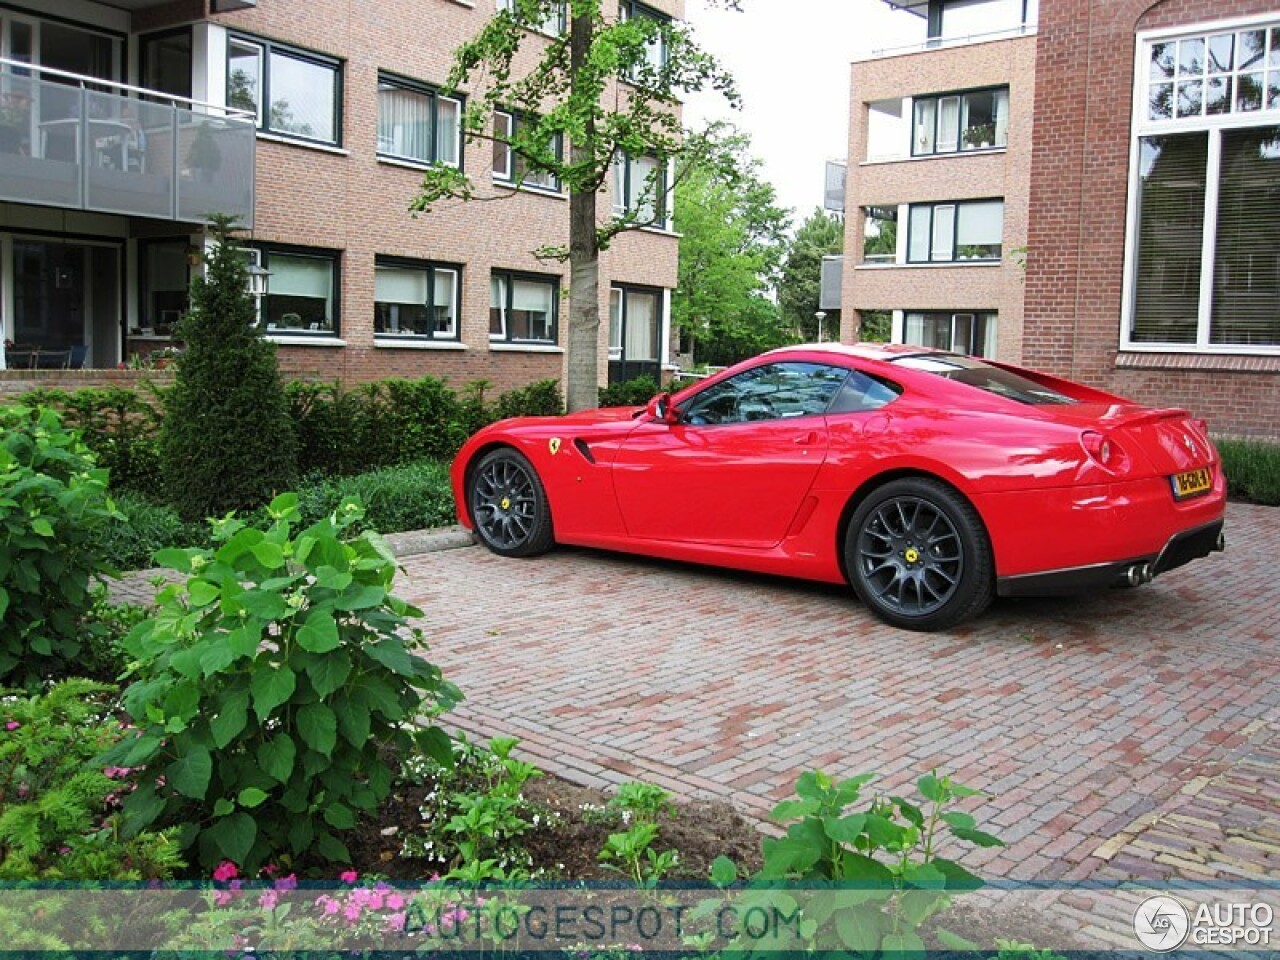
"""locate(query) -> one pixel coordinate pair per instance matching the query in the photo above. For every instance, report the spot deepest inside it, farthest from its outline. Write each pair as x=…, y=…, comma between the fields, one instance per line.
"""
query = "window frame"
x=955, y=206
x=1213, y=125
x=631, y=9
x=960, y=150
x=514, y=119
x=987, y=319
x=421, y=88
x=625, y=291
x=511, y=276
x=145, y=321
x=562, y=18
x=430, y=267
x=265, y=50
x=264, y=252
x=628, y=203
x=686, y=406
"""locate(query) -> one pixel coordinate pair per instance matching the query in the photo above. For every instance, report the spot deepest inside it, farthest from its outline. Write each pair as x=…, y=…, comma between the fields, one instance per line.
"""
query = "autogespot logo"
x=1161, y=923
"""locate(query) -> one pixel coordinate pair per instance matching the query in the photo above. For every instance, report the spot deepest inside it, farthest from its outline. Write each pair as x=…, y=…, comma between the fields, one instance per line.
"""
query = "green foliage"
x=820, y=235
x=53, y=500
x=630, y=393
x=130, y=541
x=645, y=802
x=328, y=422
x=891, y=879
x=102, y=655
x=226, y=440
x=120, y=427
x=539, y=399
x=410, y=497
x=476, y=815
x=732, y=238
x=876, y=326
x=269, y=684
x=57, y=819
x=411, y=419
x=1016, y=950
x=633, y=854
x=1252, y=468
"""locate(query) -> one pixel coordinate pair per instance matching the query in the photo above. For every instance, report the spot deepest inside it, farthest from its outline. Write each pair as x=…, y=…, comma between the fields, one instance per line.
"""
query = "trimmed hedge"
x=408, y=497
x=1252, y=468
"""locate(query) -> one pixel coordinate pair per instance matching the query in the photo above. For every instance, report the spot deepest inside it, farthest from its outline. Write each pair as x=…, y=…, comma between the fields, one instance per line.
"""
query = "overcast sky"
x=791, y=60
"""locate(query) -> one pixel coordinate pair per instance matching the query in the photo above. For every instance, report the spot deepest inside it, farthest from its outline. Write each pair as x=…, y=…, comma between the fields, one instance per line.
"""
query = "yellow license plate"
x=1192, y=483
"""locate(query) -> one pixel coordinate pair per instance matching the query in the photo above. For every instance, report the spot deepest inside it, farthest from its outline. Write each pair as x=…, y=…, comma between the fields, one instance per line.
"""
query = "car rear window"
x=1001, y=382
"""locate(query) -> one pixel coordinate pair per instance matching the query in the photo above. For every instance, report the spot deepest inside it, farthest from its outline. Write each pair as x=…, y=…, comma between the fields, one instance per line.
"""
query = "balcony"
x=81, y=143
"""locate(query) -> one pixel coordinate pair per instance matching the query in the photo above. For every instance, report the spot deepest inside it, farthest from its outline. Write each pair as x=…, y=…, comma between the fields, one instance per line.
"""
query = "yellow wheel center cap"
x=506, y=503
x=913, y=555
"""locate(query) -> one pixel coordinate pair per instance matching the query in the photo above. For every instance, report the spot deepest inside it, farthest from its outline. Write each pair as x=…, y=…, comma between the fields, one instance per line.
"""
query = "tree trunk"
x=581, y=380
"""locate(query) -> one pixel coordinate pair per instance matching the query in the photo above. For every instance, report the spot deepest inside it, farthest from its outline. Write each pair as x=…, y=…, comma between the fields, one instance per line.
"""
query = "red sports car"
x=928, y=481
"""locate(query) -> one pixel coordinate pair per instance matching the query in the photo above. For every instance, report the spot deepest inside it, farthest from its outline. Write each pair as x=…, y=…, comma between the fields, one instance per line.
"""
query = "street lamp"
x=820, y=316
x=258, y=281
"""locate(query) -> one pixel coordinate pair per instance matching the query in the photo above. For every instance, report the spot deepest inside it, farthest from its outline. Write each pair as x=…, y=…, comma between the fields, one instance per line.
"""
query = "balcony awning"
x=919, y=7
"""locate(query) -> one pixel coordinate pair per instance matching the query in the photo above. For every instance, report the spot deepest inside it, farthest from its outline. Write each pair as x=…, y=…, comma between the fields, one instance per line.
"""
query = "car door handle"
x=807, y=439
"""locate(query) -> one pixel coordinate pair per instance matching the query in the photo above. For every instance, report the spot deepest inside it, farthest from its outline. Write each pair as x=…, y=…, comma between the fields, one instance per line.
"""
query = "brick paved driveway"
x=1093, y=721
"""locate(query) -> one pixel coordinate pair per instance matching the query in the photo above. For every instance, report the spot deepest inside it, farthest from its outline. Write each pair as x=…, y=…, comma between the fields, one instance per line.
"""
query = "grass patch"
x=1252, y=468
x=410, y=497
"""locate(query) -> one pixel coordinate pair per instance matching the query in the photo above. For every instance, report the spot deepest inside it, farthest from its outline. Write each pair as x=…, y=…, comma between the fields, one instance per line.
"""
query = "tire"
x=508, y=505
x=917, y=554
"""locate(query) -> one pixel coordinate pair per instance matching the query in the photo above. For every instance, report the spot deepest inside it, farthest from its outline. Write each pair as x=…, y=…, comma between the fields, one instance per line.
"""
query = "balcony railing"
x=939, y=43
x=80, y=143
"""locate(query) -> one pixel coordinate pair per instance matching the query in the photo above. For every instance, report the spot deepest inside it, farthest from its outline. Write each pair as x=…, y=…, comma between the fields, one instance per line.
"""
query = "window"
x=635, y=324
x=417, y=124
x=554, y=24
x=165, y=62
x=640, y=189
x=975, y=373
x=774, y=391
x=302, y=291
x=969, y=333
x=413, y=299
x=1203, y=266
x=162, y=297
x=880, y=234
x=657, y=53
x=523, y=308
x=949, y=232
x=292, y=92
x=974, y=120
x=511, y=165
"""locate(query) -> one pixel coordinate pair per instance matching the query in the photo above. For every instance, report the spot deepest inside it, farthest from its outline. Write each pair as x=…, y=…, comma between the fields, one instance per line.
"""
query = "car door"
x=736, y=466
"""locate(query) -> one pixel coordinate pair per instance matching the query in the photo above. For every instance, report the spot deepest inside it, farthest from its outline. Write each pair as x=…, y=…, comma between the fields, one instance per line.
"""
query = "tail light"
x=1104, y=451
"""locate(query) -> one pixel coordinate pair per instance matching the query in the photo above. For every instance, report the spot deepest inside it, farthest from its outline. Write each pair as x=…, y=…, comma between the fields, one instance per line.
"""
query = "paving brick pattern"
x=1128, y=715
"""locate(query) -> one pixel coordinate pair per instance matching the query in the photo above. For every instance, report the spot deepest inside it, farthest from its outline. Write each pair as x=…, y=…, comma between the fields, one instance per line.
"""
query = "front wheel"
x=917, y=554
x=508, y=505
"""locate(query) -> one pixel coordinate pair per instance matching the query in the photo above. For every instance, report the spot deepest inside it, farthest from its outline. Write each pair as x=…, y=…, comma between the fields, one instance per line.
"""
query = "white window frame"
x=1141, y=126
x=436, y=99
x=432, y=270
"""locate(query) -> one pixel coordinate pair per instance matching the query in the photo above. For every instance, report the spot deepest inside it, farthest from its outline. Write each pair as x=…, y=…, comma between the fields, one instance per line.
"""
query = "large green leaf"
x=361, y=597
x=271, y=687
x=141, y=809
x=319, y=633
x=860, y=928
x=318, y=728
x=339, y=815
x=233, y=836
x=202, y=592
x=328, y=672
x=190, y=773
x=276, y=757
x=723, y=871
x=844, y=829
x=353, y=720
x=903, y=946
x=390, y=652
x=231, y=719
x=251, y=797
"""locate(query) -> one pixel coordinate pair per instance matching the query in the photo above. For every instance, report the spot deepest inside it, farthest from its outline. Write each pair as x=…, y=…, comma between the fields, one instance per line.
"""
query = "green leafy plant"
x=1252, y=468
x=270, y=683
x=476, y=815
x=630, y=393
x=643, y=802
x=633, y=854
x=53, y=501
x=58, y=810
x=1016, y=950
x=884, y=858
x=226, y=439
x=130, y=541
x=539, y=399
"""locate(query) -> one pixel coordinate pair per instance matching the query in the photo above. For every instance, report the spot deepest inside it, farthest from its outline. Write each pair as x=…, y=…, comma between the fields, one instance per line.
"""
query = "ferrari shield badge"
x=554, y=445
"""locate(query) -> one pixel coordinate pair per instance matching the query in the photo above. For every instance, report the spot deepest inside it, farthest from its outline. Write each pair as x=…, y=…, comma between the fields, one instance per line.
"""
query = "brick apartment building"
x=1139, y=248
x=938, y=177
x=1154, y=265
x=123, y=122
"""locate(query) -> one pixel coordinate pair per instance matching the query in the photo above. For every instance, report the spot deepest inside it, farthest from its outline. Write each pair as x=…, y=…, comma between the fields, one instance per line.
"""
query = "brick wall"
x=1079, y=196
x=352, y=202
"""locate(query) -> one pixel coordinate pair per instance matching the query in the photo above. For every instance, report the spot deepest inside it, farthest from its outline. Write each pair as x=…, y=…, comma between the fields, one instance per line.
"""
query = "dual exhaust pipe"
x=1138, y=574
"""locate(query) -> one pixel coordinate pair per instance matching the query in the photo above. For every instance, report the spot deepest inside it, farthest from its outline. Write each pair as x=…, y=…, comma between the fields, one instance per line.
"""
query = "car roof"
x=862, y=351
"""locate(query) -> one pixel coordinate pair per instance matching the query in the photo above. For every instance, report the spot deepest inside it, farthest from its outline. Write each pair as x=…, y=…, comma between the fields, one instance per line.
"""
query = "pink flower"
x=329, y=905
x=395, y=902
x=394, y=922
x=351, y=912
x=12, y=725
x=222, y=898
x=268, y=899
x=287, y=883
x=270, y=869
x=348, y=876
x=225, y=871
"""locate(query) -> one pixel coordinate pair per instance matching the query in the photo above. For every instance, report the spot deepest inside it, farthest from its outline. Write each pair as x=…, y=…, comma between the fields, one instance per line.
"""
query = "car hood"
x=584, y=418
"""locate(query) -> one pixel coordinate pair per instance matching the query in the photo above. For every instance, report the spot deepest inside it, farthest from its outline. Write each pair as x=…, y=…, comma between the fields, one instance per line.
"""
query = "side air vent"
x=584, y=450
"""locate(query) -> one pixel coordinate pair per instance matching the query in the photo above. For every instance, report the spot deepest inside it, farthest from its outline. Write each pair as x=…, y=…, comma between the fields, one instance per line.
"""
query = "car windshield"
x=984, y=376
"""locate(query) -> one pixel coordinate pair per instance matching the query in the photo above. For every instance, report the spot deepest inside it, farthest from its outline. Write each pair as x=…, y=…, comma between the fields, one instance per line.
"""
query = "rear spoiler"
x=1070, y=388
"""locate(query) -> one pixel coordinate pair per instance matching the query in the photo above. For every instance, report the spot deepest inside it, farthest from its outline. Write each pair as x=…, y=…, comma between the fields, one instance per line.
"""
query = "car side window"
x=775, y=391
x=861, y=393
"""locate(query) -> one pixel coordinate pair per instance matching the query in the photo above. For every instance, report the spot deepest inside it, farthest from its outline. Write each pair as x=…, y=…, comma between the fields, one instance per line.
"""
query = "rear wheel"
x=917, y=554
x=509, y=506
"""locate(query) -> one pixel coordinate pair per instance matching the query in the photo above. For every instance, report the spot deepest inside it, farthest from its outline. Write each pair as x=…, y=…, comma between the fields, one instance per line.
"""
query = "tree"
x=226, y=441
x=732, y=237
x=610, y=88
x=820, y=235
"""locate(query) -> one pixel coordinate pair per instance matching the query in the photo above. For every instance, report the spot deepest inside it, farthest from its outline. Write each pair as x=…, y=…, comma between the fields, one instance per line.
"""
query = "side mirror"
x=659, y=408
